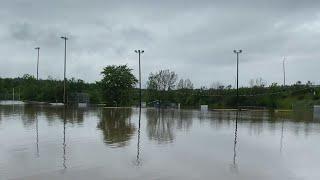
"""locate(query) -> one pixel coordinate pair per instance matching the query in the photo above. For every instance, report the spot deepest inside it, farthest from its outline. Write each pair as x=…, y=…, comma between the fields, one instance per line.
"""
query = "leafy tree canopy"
x=117, y=84
x=163, y=80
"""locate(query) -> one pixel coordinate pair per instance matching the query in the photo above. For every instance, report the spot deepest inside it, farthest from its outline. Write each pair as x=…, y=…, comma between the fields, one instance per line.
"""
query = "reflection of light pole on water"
x=234, y=163
x=138, y=161
x=64, y=138
x=37, y=132
x=281, y=139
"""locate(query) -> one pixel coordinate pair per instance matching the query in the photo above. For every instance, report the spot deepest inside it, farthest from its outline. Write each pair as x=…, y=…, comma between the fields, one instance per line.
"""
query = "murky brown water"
x=96, y=143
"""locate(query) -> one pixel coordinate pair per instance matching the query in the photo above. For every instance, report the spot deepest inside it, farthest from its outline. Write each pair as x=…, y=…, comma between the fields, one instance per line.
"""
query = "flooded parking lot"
x=43, y=142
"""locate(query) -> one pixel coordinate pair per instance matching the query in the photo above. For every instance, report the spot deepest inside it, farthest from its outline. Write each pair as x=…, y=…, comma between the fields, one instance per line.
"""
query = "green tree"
x=117, y=85
x=185, y=84
x=164, y=80
x=161, y=84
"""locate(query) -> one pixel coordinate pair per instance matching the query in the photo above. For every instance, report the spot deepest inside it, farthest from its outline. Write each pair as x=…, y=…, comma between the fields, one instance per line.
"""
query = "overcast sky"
x=196, y=39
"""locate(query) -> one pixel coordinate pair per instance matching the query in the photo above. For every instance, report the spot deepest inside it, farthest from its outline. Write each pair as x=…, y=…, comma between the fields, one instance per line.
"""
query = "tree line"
x=118, y=87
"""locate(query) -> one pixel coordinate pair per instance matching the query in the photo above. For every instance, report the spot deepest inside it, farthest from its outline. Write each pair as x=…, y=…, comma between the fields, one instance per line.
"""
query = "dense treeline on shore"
x=272, y=97
x=118, y=88
x=27, y=88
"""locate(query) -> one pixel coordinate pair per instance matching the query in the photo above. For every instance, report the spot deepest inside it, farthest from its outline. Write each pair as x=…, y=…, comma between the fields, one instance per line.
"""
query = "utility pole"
x=284, y=71
x=38, y=49
x=237, y=52
x=140, y=52
x=65, y=64
x=13, y=94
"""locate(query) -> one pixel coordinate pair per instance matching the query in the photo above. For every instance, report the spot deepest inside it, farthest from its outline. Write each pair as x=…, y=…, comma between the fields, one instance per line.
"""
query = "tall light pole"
x=237, y=52
x=38, y=49
x=284, y=71
x=139, y=52
x=65, y=64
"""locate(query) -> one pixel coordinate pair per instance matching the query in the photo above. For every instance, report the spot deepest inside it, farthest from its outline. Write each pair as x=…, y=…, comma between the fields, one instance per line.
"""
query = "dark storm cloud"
x=22, y=32
x=194, y=38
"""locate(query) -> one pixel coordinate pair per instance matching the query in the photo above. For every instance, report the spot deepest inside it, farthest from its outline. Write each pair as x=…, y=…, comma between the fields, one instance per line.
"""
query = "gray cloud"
x=194, y=38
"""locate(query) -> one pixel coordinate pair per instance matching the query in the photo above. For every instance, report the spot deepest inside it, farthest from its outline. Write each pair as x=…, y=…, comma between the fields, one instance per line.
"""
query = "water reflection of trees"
x=29, y=115
x=160, y=124
x=184, y=120
x=71, y=115
x=116, y=126
x=220, y=119
x=26, y=113
x=10, y=110
x=257, y=122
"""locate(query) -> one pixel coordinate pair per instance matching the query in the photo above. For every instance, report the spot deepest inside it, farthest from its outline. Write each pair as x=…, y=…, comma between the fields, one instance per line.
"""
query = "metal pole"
x=284, y=72
x=140, y=77
x=140, y=91
x=237, y=80
x=38, y=49
x=64, y=73
x=237, y=52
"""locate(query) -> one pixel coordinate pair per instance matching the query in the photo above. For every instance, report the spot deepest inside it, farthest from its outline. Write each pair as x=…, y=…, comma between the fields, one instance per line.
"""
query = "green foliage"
x=117, y=84
x=164, y=80
x=29, y=89
x=257, y=96
x=117, y=89
x=160, y=85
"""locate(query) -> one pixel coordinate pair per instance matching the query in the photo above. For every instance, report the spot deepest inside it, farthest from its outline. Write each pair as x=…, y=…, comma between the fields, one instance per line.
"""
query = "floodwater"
x=96, y=143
